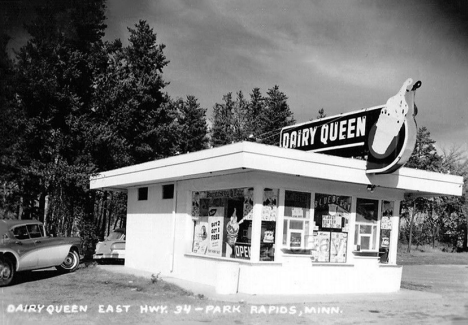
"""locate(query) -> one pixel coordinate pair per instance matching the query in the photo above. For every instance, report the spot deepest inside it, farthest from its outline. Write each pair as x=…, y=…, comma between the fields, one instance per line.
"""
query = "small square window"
x=142, y=194
x=168, y=191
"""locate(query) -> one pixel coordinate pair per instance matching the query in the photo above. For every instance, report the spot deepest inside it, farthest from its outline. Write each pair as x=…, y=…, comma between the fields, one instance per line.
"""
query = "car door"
x=25, y=248
x=49, y=250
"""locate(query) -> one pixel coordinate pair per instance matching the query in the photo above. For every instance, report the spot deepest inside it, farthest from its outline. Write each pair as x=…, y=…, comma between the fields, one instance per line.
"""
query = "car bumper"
x=113, y=255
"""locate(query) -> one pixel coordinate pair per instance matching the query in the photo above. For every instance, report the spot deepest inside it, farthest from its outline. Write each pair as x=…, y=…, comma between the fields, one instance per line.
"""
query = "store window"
x=366, y=231
x=297, y=228
x=269, y=215
x=223, y=222
x=330, y=235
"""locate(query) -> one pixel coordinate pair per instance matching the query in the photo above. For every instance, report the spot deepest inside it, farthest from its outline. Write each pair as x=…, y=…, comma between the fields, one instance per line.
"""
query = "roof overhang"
x=248, y=156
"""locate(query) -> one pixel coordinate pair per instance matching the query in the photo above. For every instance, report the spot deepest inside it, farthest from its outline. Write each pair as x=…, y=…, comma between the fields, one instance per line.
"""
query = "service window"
x=366, y=230
x=297, y=228
x=329, y=239
x=223, y=222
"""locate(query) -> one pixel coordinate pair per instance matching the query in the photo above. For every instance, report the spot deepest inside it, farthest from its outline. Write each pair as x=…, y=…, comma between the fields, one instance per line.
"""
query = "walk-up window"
x=297, y=228
x=366, y=227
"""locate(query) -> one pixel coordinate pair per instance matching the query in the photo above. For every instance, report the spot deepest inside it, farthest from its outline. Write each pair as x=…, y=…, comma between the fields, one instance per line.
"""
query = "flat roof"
x=248, y=156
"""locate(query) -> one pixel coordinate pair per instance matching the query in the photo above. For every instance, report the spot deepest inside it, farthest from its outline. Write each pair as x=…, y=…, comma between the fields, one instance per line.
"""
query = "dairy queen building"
x=318, y=214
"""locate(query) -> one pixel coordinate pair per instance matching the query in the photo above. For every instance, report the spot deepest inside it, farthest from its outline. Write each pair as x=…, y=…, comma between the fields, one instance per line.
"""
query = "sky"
x=337, y=55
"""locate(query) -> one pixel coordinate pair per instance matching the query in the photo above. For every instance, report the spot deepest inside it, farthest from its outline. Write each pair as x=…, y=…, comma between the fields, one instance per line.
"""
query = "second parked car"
x=112, y=248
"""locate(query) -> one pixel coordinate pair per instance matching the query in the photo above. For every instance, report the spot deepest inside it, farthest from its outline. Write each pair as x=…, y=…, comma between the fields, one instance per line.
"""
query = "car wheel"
x=7, y=271
x=70, y=264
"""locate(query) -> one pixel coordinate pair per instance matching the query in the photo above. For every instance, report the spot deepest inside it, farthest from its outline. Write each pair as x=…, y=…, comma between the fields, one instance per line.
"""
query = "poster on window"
x=386, y=223
x=297, y=212
x=248, y=204
x=295, y=240
x=201, y=240
x=338, y=246
x=323, y=246
x=216, y=224
x=331, y=221
x=270, y=207
x=312, y=245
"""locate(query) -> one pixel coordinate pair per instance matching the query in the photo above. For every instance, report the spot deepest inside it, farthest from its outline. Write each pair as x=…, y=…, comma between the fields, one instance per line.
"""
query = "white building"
x=306, y=223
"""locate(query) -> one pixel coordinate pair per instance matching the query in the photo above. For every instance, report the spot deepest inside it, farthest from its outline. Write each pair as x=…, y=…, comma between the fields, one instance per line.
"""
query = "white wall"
x=149, y=231
x=150, y=242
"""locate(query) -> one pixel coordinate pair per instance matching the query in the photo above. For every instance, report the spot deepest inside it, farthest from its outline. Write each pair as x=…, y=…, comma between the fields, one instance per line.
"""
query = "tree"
x=424, y=157
x=454, y=210
x=53, y=90
x=192, y=127
x=274, y=116
x=254, y=108
x=261, y=118
x=222, y=123
x=442, y=218
x=240, y=118
x=9, y=132
x=131, y=107
x=321, y=114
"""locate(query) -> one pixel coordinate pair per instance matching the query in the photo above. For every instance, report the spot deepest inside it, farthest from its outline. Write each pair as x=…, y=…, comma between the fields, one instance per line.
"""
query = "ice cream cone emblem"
x=391, y=120
x=392, y=138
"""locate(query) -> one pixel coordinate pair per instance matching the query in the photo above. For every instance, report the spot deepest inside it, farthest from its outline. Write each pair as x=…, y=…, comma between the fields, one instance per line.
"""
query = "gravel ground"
x=430, y=294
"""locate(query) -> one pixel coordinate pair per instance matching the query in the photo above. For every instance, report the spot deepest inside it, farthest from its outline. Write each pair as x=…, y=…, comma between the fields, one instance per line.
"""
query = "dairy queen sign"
x=383, y=135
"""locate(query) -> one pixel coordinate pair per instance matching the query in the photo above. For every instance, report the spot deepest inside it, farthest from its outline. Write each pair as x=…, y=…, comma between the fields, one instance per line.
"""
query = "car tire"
x=70, y=264
x=7, y=271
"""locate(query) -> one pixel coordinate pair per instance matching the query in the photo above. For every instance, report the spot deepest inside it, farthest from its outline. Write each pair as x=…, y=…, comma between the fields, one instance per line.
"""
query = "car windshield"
x=114, y=235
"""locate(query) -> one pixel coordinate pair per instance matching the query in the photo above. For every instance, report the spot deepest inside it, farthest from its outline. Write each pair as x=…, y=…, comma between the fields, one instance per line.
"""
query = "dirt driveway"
x=430, y=295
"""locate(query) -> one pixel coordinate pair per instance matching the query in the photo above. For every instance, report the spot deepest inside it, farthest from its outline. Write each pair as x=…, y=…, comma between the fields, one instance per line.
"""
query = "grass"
x=426, y=255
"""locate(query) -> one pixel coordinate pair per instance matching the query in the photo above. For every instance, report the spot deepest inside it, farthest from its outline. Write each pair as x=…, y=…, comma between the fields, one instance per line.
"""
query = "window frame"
x=374, y=234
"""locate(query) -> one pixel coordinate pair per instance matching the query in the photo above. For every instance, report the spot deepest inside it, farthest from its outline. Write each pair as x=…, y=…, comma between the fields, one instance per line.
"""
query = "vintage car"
x=25, y=246
x=112, y=248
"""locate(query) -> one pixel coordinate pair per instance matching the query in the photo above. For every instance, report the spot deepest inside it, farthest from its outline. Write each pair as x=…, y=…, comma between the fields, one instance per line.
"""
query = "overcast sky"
x=339, y=55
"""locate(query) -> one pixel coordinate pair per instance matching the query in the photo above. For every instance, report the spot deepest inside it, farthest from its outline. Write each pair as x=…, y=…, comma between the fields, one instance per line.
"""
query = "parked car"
x=112, y=248
x=24, y=246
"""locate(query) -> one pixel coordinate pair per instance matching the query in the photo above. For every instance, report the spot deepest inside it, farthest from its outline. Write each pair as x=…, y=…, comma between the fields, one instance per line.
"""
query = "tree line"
x=73, y=105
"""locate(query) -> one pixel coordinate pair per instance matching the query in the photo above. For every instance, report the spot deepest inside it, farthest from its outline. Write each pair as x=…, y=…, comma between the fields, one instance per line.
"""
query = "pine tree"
x=192, y=124
x=131, y=109
x=274, y=116
x=223, y=121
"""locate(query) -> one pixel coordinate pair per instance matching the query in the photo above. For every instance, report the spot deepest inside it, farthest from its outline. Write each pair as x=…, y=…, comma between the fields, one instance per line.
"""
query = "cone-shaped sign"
x=384, y=135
